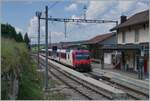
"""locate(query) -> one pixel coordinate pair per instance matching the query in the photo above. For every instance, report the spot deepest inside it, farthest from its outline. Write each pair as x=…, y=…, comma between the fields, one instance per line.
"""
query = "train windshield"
x=82, y=56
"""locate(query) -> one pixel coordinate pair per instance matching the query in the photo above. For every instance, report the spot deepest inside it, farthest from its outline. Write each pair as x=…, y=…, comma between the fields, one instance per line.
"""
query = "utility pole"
x=46, y=46
x=38, y=14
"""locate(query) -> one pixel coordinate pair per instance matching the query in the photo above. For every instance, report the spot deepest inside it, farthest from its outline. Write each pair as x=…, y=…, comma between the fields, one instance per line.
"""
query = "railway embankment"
x=19, y=79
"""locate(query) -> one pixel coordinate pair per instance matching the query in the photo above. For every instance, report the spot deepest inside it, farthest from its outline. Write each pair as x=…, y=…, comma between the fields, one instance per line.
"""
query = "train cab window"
x=82, y=56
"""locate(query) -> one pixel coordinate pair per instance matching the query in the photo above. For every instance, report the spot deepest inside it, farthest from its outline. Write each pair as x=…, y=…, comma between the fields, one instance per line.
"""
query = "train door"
x=71, y=57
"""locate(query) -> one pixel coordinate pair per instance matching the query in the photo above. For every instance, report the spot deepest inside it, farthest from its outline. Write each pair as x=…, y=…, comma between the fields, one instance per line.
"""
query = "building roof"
x=99, y=38
x=138, y=18
x=93, y=40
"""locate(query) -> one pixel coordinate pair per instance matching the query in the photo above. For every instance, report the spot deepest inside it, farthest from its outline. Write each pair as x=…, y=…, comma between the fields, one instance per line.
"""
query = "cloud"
x=33, y=29
x=19, y=30
x=97, y=8
x=127, y=5
x=71, y=7
x=33, y=25
x=57, y=34
x=107, y=10
x=140, y=6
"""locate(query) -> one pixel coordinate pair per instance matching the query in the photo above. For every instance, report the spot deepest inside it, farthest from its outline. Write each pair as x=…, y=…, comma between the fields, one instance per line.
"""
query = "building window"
x=136, y=35
x=123, y=37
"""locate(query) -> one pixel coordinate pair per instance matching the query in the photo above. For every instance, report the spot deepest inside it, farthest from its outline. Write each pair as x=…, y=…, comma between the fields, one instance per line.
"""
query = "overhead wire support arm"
x=80, y=20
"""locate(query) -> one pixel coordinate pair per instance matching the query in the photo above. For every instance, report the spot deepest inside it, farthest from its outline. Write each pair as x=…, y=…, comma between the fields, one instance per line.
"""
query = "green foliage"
x=15, y=57
x=31, y=85
x=19, y=37
x=56, y=96
x=11, y=52
x=9, y=31
x=26, y=39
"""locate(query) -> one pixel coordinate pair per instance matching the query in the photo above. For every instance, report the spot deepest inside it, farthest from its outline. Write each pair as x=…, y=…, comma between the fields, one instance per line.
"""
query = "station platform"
x=109, y=90
x=127, y=79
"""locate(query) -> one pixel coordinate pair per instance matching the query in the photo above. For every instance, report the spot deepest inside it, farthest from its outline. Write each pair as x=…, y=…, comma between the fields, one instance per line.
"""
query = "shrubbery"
x=17, y=64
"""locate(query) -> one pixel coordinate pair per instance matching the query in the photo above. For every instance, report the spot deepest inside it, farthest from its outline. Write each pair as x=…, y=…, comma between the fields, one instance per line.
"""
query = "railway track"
x=132, y=94
x=84, y=89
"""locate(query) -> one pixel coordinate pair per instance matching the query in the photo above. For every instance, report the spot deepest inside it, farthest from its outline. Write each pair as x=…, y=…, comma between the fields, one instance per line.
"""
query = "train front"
x=82, y=60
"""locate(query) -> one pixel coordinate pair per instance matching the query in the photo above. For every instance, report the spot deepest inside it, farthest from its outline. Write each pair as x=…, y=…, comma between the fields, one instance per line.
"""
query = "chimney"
x=123, y=18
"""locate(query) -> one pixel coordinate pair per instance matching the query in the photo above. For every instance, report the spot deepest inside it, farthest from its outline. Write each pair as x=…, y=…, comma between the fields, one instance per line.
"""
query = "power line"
x=53, y=5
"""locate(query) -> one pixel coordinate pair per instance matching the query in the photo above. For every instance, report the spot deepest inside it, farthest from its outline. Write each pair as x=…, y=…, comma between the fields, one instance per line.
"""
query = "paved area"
x=109, y=68
x=125, y=78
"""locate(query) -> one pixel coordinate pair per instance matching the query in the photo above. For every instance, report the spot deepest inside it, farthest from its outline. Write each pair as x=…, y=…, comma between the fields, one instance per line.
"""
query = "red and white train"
x=76, y=59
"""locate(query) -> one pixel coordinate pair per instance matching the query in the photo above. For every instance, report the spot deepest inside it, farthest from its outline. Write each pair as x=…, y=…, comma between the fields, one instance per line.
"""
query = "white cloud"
x=57, y=34
x=127, y=5
x=71, y=7
x=108, y=10
x=33, y=25
x=140, y=6
x=19, y=30
x=33, y=29
x=97, y=8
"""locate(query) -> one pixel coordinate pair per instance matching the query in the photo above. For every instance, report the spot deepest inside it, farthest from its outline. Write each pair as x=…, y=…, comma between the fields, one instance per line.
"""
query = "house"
x=133, y=37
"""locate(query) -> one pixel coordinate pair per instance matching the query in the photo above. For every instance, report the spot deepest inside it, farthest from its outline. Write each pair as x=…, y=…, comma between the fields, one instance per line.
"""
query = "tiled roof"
x=99, y=38
x=94, y=40
x=137, y=18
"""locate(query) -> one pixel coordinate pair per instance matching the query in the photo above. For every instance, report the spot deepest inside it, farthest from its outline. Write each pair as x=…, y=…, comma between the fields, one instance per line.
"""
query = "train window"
x=82, y=56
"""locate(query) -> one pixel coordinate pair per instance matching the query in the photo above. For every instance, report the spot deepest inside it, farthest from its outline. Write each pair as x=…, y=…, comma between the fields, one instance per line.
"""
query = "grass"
x=35, y=49
x=55, y=96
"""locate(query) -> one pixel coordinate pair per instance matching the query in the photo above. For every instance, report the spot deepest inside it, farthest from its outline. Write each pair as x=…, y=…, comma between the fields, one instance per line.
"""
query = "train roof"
x=65, y=50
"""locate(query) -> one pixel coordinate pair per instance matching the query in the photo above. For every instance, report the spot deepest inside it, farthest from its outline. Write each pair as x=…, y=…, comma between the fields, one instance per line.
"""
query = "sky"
x=21, y=15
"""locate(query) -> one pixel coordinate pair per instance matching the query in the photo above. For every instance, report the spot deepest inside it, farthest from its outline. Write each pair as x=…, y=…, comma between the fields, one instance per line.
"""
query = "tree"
x=19, y=37
x=26, y=39
x=8, y=31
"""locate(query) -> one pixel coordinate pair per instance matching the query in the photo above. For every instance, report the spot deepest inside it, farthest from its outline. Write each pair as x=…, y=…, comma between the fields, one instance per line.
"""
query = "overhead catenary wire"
x=56, y=2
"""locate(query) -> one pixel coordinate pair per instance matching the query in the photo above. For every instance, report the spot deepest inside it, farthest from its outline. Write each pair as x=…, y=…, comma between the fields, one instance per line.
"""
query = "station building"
x=133, y=43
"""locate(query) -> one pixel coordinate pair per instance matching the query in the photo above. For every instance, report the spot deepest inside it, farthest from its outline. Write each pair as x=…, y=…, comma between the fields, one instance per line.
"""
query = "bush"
x=16, y=60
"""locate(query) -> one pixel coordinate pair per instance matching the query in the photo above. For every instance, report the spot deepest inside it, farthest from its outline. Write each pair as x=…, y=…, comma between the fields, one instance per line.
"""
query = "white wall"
x=107, y=58
x=130, y=36
x=144, y=35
